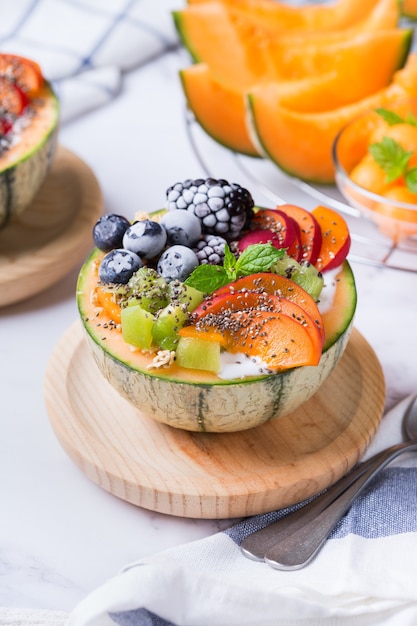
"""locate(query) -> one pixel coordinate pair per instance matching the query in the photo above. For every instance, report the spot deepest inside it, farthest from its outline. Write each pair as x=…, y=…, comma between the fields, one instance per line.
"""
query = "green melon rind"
x=226, y=406
x=350, y=310
x=182, y=34
x=21, y=180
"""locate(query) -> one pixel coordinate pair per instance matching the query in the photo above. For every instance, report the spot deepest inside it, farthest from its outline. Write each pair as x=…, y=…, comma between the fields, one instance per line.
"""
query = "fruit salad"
x=212, y=281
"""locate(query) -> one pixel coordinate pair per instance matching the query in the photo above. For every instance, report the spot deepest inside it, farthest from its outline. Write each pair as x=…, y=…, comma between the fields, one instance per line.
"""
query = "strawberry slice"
x=310, y=232
x=13, y=99
x=335, y=238
x=25, y=72
x=5, y=126
x=259, y=235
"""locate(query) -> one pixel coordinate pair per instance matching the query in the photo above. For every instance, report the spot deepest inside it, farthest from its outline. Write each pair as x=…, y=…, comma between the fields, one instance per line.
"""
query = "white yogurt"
x=240, y=366
x=329, y=289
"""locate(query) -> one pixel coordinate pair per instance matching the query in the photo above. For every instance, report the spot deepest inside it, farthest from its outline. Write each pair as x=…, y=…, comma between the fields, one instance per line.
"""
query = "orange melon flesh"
x=240, y=58
x=380, y=53
x=384, y=15
x=207, y=33
x=301, y=143
x=310, y=18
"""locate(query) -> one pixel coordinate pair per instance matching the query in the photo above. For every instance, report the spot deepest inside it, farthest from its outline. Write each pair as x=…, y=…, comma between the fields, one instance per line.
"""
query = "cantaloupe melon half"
x=301, y=143
x=244, y=59
x=311, y=18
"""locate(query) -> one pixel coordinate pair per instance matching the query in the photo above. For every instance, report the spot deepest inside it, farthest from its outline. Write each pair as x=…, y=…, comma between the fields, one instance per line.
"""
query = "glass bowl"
x=389, y=205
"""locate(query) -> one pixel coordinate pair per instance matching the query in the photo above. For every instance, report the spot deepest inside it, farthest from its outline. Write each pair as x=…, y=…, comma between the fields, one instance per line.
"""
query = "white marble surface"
x=61, y=535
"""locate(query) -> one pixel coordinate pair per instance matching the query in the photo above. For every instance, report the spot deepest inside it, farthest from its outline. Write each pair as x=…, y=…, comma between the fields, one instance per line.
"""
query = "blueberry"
x=177, y=263
x=146, y=238
x=109, y=230
x=118, y=266
x=182, y=227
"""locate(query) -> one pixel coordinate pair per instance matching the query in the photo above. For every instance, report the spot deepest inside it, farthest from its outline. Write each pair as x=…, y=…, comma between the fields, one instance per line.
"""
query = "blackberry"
x=224, y=208
x=210, y=250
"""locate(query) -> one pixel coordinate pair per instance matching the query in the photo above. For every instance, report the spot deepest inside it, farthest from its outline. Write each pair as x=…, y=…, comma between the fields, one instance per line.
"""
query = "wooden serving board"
x=210, y=475
x=53, y=234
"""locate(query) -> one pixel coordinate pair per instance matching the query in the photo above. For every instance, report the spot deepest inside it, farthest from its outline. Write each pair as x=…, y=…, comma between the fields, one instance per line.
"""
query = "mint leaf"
x=411, y=180
x=207, y=278
x=391, y=156
x=259, y=257
x=411, y=119
x=229, y=263
x=390, y=117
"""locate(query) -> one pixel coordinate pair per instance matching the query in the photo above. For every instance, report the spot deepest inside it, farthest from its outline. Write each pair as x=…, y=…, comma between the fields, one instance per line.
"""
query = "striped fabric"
x=85, y=46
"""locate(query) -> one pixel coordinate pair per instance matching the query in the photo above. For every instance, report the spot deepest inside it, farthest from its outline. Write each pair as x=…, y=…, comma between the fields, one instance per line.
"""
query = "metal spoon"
x=292, y=542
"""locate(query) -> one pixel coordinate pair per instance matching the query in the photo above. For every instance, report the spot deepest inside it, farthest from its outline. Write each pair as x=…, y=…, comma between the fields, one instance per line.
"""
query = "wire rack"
x=268, y=183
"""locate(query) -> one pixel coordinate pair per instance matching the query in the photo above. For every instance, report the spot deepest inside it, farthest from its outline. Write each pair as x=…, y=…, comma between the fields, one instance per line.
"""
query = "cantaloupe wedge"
x=239, y=58
x=300, y=143
x=377, y=14
x=409, y=8
x=309, y=18
x=220, y=108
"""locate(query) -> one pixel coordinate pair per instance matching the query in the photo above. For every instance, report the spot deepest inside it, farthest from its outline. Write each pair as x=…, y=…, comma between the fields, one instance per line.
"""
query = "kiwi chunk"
x=146, y=288
x=167, y=324
x=180, y=293
x=137, y=325
x=303, y=273
x=198, y=354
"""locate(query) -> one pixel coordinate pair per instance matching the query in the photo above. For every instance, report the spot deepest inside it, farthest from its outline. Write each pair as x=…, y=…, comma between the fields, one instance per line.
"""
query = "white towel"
x=366, y=573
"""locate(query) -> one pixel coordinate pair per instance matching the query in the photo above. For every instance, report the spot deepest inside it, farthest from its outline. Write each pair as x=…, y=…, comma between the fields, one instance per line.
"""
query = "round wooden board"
x=54, y=234
x=209, y=475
